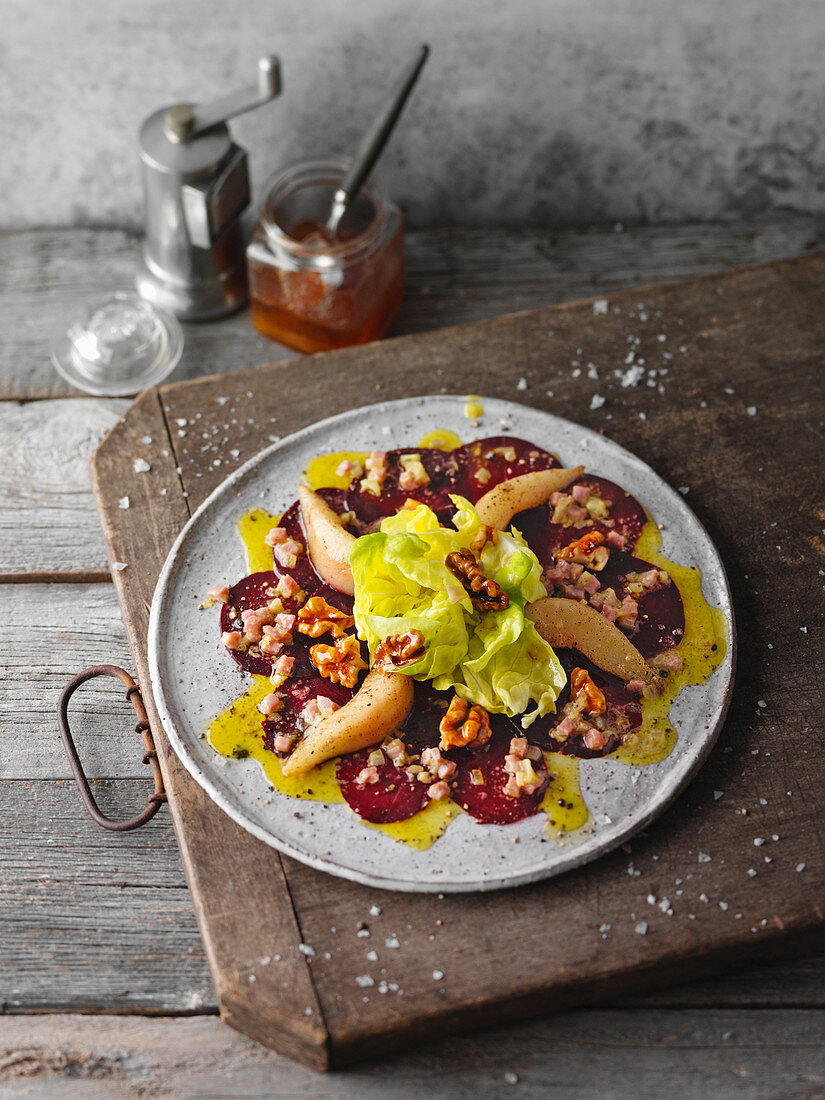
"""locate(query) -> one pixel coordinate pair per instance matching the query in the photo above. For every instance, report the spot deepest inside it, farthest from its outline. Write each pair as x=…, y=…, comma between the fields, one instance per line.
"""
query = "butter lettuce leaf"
x=495, y=658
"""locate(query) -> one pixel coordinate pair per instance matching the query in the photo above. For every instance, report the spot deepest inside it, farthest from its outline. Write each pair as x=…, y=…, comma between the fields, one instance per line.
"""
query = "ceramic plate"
x=192, y=677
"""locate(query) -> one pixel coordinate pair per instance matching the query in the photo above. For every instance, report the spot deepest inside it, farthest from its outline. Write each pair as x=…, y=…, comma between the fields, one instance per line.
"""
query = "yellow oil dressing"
x=440, y=439
x=322, y=472
x=473, y=408
x=702, y=650
x=237, y=732
x=424, y=828
x=563, y=802
x=253, y=527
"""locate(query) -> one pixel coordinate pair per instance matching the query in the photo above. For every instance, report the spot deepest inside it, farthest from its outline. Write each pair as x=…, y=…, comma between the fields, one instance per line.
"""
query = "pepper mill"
x=196, y=187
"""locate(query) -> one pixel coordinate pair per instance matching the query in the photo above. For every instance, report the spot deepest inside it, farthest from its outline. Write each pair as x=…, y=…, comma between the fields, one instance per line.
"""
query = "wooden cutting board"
x=734, y=416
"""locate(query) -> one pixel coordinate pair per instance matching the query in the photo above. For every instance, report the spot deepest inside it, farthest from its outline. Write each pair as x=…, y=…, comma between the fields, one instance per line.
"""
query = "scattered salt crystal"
x=221, y=400
x=305, y=949
x=438, y=975
x=717, y=795
x=591, y=371
x=641, y=927
x=252, y=978
x=375, y=910
x=123, y=502
x=804, y=629
x=723, y=905
x=596, y=401
x=119, y=565
x=751, y=410
x=362, y=933
x=684, y=490
x=372, y=956
x=606, y=927
x=704, y=857
x=761, y=703
x=758, y=841
x=522, y=384
x=704, y=898
x=266, y=960
x=181, y=421
x=147, y=439
x=631, y=355
x=365, y=981
x=651, y=899
x=510, y=1078
x=800, y=866
x=141, y=466
x=751, y=872
x=392, y=941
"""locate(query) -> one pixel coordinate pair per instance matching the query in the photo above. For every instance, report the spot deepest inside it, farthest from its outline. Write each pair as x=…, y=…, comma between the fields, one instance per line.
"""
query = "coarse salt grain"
x=640, y=927
x=596, y=401
x=141, y=466
x=119, y=565
x=305, y=949
x=123, y=503
x=438, y=975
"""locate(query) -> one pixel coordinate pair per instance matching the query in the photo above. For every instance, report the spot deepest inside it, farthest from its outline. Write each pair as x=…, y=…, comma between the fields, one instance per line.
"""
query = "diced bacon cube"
x=431, y=758
x=614, y=538
x=591, y=585
x=573, y=592
x=511, y=788
x=671, y=661
x=650, y=579
x=511, y=763
x=276, y=535
x=233, y=639
x=609, y=612
x=288, y=552
x=316, y=709
x=580, y=493
x=594, y=739
x=575, y=513
x=349, y=469
x=283, y=742
x=574, y=570
x=254, y=620
x=219, y=593
x=445, y=769
x=325, y=705
x=284, y=666
x=518, y=747
x=636, y=687
x=269, y=646
x=564, y=729
x=596, y=601
x=288, y=587
x=438, y=791
x=396, y=751
x=557, y=497
x=270, y=704
x=367, y=775
x=531, y=788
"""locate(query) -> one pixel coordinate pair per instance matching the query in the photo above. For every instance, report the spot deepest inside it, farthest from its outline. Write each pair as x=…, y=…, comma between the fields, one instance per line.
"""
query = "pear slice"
x=328, y=541
x=498, y=506
x=568, y=624
x=378, y=707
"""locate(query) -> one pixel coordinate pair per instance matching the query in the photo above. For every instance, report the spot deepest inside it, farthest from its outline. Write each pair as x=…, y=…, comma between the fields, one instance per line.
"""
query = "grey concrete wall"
x=560, y=112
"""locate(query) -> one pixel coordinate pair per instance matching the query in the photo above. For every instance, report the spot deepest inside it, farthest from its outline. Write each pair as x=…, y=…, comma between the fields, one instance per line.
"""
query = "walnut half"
x=318, y=617
x=339, y=663
x=399, y=650
x=484, y=592
x=464, y=724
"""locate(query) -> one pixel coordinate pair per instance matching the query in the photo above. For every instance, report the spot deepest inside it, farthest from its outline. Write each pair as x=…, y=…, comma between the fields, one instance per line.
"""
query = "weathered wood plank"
x=60, y=630
x=454, y=275
x=48, y=524
x=577, y=1055
x=92, y=920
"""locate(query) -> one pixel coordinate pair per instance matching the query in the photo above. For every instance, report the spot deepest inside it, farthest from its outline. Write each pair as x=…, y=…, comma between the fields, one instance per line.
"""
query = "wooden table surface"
x=105, y=987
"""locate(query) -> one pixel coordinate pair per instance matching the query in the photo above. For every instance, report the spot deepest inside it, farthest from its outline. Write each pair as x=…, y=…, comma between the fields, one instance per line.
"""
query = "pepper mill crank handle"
x=183, y=122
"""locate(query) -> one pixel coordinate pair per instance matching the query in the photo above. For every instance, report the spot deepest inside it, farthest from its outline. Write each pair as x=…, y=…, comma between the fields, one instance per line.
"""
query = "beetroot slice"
x=488, y=803
x=544, y=537
x=252, y=592
x=623, y=713
x=395, y=797
x=472, y=456
x=660, y=624
x=304, y=684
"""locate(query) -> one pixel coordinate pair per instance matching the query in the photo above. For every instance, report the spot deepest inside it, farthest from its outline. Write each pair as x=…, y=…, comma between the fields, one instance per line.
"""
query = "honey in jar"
x=312, y=291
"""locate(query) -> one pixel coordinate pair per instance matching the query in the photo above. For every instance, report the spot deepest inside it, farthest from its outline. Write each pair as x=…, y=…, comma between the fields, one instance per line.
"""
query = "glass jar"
x=310, y=291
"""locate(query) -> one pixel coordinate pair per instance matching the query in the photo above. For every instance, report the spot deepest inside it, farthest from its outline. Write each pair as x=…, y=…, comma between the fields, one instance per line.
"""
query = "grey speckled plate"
x=193, y=679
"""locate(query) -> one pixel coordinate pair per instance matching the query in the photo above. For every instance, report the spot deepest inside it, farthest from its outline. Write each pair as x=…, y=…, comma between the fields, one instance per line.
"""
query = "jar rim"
x=300, y=173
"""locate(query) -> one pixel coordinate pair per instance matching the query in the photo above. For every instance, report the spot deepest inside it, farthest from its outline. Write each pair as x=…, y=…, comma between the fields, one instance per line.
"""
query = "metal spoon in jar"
x=373, y=142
